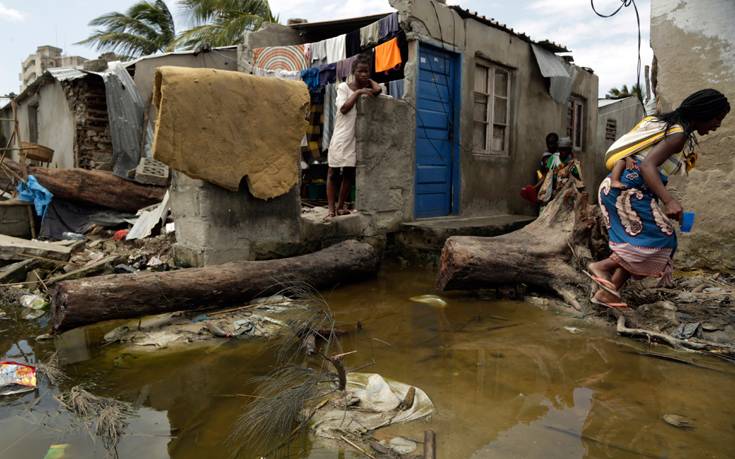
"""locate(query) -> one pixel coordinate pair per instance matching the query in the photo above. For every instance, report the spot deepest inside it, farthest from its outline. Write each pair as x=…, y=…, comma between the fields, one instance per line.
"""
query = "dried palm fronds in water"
x=52, y=369
x=102, y=417
x=274, y=417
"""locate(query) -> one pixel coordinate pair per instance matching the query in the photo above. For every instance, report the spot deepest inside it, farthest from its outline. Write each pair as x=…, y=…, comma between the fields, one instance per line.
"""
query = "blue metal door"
x=437, y=173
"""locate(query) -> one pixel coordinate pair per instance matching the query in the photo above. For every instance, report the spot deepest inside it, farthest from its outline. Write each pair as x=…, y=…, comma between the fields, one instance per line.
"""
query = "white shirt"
x=343, y=147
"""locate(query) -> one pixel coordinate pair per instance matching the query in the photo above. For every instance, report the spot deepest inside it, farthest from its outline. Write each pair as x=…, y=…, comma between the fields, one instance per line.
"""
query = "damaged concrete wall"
x=491, y=183
x=215, y=226
x=145, y=69
x=694, y=45
x=385, y=161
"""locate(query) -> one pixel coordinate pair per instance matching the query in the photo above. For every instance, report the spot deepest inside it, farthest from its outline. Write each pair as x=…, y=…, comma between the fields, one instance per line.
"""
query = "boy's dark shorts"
x=344, y=172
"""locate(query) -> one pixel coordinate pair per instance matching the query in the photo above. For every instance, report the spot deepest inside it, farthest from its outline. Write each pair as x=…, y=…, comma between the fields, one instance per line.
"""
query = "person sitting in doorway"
x=343, y=146
x=562, y=166
x=552, y=146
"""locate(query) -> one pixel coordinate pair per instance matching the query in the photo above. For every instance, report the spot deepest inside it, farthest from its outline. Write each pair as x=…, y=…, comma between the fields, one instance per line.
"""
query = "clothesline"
x=330, y=51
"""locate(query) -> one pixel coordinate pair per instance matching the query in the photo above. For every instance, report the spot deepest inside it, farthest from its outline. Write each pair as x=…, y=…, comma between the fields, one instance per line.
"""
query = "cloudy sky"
x=606, y=45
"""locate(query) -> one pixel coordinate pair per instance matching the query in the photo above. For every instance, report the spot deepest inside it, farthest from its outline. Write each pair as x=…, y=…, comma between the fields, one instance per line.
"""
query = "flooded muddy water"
x=508, y=380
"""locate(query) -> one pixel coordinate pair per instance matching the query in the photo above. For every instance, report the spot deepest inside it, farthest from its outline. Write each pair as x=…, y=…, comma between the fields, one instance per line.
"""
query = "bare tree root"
x=676, y=343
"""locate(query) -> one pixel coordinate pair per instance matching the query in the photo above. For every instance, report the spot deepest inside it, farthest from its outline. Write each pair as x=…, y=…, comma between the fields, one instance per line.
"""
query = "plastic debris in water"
x=432, y=300
x=34, y=314
x=56, y=451
x=16, y=378
x=33, y=302
x=678, y=421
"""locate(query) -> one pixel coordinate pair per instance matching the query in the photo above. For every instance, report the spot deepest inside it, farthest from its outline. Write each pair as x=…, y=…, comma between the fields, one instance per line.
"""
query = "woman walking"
x=638, y=210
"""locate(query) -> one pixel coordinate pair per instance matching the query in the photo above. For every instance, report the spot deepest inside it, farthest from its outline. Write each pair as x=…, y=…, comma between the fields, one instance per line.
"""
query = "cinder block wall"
x=215, y=226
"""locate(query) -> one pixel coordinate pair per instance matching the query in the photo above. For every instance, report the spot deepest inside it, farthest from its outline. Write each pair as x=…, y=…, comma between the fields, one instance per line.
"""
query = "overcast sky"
x=609, y=46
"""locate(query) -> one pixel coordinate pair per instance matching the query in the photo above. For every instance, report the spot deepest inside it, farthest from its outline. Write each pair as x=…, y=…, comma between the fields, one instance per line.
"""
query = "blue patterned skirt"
x=642, y=238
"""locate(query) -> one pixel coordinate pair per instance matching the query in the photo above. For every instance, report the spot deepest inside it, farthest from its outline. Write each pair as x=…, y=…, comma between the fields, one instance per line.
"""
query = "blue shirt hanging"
x=311, y=78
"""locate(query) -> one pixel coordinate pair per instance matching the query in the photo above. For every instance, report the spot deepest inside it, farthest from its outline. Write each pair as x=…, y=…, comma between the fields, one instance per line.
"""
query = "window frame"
x=491, y=70
x=576, y=122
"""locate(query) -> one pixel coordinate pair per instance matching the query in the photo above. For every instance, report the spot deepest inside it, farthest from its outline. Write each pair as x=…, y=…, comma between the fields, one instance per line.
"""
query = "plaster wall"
x=55, y=123
x=491, y=184
x=694, y=45
x=384, y=161
x=145, y=69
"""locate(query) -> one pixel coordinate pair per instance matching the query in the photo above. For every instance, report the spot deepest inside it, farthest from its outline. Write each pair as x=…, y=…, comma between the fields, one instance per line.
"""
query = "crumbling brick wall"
x=93, y=144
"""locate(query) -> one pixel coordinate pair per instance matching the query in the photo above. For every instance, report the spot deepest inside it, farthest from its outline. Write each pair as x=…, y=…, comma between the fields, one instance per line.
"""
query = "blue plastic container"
x=687, y=222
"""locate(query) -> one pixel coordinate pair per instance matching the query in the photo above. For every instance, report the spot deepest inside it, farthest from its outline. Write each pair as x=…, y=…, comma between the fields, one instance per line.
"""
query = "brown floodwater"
x=508, y=380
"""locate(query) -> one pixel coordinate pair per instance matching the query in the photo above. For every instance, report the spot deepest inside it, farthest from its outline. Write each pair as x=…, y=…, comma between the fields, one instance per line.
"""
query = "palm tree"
x=146, y=27
x=623, y=92
x=222, y=22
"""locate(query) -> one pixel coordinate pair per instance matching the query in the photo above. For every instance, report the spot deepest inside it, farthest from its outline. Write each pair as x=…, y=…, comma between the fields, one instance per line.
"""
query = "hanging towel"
x=352, y=43
x=387, y=56
x=311, y=78
x=330, y=101
x=396, y=88
x=335, y=49
x=370, y=35
x=344, y=68
x=290, y=58
x=388, y=26
x=327, y=74
x=319, y=53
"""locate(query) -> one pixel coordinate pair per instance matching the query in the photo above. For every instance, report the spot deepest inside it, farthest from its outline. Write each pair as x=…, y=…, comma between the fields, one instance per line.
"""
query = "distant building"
x=44, y=58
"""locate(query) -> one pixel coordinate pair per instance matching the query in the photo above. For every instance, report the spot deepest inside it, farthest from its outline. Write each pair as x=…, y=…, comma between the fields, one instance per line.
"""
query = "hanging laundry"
x=387, y=56
x=352, y=43
x=397, y=88
x=319, y=53
x=344, y=68
x=314, y=130
x=388, y=26
x=290, y=58
x=311, y=78
x=327, y=74
x=335, y=49
x=282, y=74
x=370, y=35
x=330, y=108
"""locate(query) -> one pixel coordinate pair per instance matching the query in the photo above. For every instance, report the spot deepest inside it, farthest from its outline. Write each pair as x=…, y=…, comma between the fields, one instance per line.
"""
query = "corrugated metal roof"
x=66, y=74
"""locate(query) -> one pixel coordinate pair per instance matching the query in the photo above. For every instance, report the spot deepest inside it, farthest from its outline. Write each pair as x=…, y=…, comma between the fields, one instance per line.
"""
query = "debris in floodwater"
x=16, y=378
x=103, y=417
x=573, y=330
x=688, y=330
x=56, y=451
x=33, y=301
x=432, y=300
x=678, y=421
x=34, y=314
x=402, y=445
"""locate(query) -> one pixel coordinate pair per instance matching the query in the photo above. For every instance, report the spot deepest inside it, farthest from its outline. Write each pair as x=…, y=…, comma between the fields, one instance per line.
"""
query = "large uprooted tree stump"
x=545, y=255
x=121, y=296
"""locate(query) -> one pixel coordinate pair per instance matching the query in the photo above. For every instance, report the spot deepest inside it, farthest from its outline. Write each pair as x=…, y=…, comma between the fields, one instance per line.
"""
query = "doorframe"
x=455, y=175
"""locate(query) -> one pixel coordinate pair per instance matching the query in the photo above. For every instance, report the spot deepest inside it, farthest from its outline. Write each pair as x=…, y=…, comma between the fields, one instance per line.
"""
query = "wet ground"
x=508, y=380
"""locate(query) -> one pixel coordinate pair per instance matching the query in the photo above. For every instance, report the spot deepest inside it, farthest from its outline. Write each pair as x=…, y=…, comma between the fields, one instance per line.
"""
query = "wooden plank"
x=85, y=271
x=13, y=248
x=16, y=272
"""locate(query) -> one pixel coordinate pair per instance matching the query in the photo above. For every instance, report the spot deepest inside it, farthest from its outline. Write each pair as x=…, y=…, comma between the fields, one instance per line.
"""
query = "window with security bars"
x=491, y=112
x=575, y=122
x=611, y=129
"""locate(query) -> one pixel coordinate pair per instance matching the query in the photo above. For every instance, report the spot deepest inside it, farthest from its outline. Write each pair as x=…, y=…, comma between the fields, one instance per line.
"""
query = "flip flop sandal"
x=604, y=284
x=619, y=306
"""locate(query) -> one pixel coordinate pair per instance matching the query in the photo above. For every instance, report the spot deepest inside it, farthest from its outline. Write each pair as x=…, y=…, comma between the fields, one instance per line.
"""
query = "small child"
x=617, y=172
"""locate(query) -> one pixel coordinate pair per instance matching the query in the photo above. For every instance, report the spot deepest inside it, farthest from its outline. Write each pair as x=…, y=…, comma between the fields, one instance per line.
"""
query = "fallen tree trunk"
x=85, y=301
x=545, y=254
x=94, y=187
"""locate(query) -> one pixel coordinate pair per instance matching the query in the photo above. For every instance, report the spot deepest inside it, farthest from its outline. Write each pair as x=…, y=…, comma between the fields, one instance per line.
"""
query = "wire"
x=625, y=4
